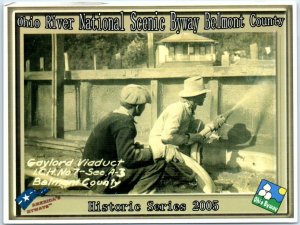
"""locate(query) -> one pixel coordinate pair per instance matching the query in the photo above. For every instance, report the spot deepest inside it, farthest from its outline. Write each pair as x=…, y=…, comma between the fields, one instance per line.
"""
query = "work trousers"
x=143, y=180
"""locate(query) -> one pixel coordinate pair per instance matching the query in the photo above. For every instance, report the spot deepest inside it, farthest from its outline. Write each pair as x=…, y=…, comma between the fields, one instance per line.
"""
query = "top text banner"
x=156, y=21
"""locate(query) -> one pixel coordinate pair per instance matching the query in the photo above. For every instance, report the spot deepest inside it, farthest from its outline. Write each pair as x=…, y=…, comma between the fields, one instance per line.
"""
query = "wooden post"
x=57, y=86
x=77, y=99
x=155, y=101
x=31, y=99
x=42, y=64
x=151, y=59
x=85, y=88
x=225, y=60
x=254, y=51
x=28, y=98
x=95, y=62
x=66, y=59
x=34, y=103
x=27, y=104
x=27, y=65
x=214, y=105
x=188, y=51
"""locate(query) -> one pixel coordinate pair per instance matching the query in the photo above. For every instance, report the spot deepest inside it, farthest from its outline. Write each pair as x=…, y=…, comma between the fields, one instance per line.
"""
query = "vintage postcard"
x=164, y=113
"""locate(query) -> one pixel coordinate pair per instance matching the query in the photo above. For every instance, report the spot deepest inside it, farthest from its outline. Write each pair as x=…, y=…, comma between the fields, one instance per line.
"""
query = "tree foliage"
x=37, y=46
x=135, y=53
x=232, y=42
x=127, y=50
x=82, y=48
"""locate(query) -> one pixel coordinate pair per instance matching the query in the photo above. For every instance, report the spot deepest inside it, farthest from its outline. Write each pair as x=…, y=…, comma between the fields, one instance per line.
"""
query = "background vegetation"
x=115, y=51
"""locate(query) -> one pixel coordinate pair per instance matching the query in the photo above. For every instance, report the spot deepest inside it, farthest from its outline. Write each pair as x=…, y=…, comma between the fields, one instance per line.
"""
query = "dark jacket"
x=113, y=139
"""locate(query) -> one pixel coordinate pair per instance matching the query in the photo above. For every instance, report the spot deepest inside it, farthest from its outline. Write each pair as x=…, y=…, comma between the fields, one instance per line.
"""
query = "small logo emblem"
x=269, y=196
x=26, y=197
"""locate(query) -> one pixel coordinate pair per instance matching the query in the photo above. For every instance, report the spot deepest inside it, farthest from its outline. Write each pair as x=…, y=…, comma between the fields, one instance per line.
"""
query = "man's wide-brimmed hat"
x=193, y=86
x=135, y=95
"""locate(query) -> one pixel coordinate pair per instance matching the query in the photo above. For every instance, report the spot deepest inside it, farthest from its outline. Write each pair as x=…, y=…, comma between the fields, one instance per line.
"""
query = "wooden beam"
x=60, y=145
x=77, y=103
x=42, y=64
x=27, y=106
x=268, y=70
x=151, y=58
x=85, y=88
x=66, y=61
x=215, y=93
x=58, y=86
x=155, y=101
x=95, y=61
x=27, y=65
x=31, y=99
x=34, y=102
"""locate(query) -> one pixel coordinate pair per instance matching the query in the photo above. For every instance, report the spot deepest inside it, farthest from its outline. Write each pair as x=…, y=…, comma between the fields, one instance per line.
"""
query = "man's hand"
x=172, y=154
x=196, y=138
x=217, y=123
x=214, y=136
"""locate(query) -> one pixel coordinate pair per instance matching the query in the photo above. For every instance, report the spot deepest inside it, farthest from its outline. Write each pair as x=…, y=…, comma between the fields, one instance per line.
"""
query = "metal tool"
x=210, y=134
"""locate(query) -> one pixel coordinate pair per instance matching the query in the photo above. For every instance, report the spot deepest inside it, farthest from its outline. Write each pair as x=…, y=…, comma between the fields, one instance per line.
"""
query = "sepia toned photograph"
x=188, y=99
x=150, y=114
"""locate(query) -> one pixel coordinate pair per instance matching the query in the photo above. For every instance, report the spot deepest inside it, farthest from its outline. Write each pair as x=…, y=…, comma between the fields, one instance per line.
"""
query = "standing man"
x=177, y=126
x=112, y=162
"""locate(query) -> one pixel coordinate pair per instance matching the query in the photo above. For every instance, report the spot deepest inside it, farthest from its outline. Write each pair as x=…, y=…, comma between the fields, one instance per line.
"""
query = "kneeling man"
x=112, y=162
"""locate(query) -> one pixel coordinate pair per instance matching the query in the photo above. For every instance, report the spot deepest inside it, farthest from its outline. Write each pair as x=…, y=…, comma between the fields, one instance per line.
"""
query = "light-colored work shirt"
x=172, y=126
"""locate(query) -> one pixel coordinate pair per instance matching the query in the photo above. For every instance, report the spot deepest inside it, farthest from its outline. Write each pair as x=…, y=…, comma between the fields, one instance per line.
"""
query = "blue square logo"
x=269, y=196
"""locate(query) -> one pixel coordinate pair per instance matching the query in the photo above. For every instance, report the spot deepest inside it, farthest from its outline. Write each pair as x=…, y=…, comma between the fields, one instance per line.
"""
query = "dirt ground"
x=226, y=180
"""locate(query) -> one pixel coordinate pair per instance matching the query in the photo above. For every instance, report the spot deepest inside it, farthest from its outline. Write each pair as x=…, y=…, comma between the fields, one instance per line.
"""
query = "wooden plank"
x=60, y=144
x=66, y=60
x=214, y=103
x=95, y=61
x=27, y=65
x=28, y=99
x=34, y=102
x=42, y=64
x=155, y=101
x=77, y=102
x=38, y=75
x=52, y=146
x=57, y=86
x=57, y=141
x=159, y=73
x=254, y=51
x=151, y=58
x=85, y=88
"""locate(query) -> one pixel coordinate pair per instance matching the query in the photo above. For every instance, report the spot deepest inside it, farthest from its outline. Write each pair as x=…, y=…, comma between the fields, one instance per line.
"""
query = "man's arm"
x=170, y=133
x=133, y=157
